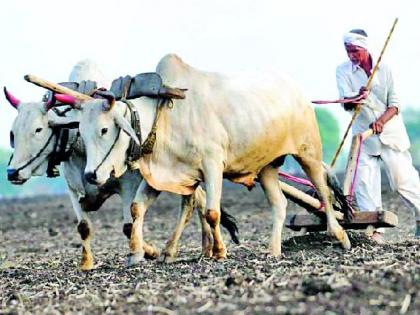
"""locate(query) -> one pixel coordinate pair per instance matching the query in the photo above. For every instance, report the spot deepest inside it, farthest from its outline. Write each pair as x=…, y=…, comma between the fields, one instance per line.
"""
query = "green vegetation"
x=330, y=133
x=412, y=122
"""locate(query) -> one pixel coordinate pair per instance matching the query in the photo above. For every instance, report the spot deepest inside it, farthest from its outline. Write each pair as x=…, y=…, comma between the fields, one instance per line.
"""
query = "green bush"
x=411, y=118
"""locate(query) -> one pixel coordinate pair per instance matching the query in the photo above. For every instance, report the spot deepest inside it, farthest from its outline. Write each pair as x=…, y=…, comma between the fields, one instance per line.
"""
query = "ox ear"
x=12, y=100
x=108, y=96
x=121, y=122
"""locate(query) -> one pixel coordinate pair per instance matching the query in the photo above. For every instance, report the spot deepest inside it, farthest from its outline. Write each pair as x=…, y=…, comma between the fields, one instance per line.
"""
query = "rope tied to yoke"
x=148, y=144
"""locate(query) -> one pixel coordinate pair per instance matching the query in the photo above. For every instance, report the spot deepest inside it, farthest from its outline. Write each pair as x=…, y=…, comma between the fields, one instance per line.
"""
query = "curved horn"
x=50, y=103
x=12, y=100
x=68, y=99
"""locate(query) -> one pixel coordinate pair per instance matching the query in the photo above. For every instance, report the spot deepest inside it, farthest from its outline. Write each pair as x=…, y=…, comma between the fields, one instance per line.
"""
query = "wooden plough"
x=360, y=220
x=316, y=221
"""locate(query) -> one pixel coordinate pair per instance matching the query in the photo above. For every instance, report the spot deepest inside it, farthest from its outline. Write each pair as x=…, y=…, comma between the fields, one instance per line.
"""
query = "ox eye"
x=12, y=139
x=37, y=130
x=104, y=131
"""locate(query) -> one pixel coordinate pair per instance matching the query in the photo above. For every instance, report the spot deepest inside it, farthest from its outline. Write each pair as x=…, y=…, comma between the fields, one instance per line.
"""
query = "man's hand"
x=377, y=126
x=364, y=92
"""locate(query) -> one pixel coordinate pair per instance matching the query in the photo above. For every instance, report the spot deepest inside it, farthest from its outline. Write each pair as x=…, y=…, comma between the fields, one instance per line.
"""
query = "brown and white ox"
x=33, y=139
x=239, y=128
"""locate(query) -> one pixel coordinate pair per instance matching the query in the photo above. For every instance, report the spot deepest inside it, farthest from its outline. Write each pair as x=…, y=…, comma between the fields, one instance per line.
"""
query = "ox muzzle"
x=91, y=178
x=14, y=177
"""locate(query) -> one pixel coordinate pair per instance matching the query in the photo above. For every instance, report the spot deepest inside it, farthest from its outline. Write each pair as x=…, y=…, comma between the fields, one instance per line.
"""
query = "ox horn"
x=66, y=99
x=12, y=100
x=56, y=88
x=63, y=99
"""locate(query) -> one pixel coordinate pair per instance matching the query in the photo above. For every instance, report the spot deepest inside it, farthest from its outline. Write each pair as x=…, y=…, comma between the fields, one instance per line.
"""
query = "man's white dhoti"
x=403, y=178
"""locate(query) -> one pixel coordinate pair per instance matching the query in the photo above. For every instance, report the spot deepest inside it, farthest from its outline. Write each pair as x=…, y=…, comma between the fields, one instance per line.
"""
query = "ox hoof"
x=345, y=243
x=135, y=259
x=86, y=266
x=151, y=252
x=275, y=253
x=342, y=237
x=167, y=259
x=219, y=256
x=208, y=252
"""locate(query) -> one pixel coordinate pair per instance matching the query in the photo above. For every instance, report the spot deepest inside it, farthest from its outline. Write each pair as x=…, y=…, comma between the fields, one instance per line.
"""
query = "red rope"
x=353, y=182
x=296, y=179
x=342, y=101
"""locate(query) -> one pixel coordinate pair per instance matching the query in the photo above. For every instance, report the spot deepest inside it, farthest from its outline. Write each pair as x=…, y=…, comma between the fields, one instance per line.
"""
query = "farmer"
x=380, y=110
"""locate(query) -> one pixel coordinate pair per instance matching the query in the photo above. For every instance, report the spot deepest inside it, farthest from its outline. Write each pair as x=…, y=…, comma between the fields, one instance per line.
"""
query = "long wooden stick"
x=56, y=87
x=352, y=160
x=369, y=83
x=313, y=202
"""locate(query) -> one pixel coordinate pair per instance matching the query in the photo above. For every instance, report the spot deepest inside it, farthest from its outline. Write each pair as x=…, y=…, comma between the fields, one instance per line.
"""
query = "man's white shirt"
x=350, y=78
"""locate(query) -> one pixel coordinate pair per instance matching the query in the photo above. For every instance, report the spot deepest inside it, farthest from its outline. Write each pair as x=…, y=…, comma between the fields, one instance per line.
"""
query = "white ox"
x=34, y=140
x=227, y=127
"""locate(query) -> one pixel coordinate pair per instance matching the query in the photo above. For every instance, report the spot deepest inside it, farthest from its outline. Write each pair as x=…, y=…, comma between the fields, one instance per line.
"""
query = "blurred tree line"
x=330, y=134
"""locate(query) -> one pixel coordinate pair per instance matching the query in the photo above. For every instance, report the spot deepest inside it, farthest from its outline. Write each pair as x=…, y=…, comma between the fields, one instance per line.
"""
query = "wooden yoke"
x=353, y=159
x=56, y=87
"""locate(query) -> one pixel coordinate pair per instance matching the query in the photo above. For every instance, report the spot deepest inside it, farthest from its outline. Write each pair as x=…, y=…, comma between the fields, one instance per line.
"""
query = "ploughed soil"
x=40, y=252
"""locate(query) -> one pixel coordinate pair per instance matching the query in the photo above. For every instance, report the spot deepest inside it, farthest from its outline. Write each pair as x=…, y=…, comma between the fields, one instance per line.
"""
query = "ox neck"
x=146, y=108
x=68, y=121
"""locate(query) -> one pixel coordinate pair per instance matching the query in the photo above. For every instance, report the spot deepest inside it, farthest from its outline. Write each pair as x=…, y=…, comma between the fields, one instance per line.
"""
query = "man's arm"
x=345, y=89
x=378, y=125
x=393, y=105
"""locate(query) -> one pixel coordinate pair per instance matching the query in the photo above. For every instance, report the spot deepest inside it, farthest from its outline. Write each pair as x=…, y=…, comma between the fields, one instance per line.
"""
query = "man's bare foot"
x=377, y=238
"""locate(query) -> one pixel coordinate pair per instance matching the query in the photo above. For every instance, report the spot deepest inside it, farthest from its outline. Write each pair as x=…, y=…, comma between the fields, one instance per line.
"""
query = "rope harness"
x=61, y=150
x=135, y=151
x=111, y=148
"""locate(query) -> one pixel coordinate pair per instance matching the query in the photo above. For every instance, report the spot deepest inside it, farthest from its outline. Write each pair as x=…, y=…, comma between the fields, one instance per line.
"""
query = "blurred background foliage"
x=35, y=186
x=330, y=134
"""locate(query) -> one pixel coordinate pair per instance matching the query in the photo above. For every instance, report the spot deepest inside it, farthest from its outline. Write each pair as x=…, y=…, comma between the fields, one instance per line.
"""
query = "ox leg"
x=206, y=234
x=270, y=184
x=146, y=195
x=213, y=175
x=317, y=174
x=128, y=193
x=85, y=230
x=185, y=213
x=128, y=222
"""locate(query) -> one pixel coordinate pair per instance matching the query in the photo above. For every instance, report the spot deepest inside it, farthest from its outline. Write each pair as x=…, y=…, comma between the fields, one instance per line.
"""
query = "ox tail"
x=230, y=224
x=342, y=203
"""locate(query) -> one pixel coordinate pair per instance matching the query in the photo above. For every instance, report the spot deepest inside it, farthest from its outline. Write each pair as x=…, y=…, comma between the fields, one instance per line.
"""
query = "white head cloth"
x=356, y=40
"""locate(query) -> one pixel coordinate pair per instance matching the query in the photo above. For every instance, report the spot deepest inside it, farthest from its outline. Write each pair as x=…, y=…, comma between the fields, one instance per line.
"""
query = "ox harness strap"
x=111, y=148
x=134, y=151
x=63, y=148
x=61, y=151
